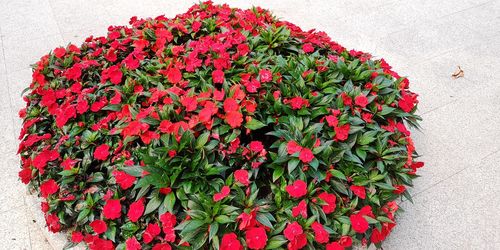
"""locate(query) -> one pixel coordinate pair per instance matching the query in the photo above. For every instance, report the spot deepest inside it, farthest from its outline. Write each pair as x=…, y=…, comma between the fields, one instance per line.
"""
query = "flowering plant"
x=220, y=128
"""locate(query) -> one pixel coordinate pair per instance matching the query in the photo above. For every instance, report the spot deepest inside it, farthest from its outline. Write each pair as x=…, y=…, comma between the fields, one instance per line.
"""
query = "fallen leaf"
x=458, y=73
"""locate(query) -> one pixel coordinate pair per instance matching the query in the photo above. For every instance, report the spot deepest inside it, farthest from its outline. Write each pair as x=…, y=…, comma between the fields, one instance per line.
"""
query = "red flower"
x=297, y=189
x=256, y=146
x=49, y=187
x=292, y=230
x=111, y=55
x=300, y=209
x=320, y=234
x=241, y=176
x=414, y=166
x=40, y=161
x=44, y=206
x=98, y=105
x=377, y=236
x=101, y=152
x=308, y=48
x=230, y=105
x=359, y=223
x=230, y=242
x=399, y=189
x=76, y=237
x=345, y=241
x=162, y=246
x=74, y=72
x=218, y=76
x=116, y=99
x=367, y=117
x=53, y=223
x=168, y=222
x=334, y=246
x=112, y=209
x=136, y=210
x=123, y=179
x=100, y=244
x=166, y=190
x=359, y=191
x=367, y=211
x=342, y=132
x=59, y=52
x=306, y=155
x=407, y=102
x=25, y=175
x=133, y=244
x=174, y=75
x=222, y=194
x=298, y=243
x=190, y=103
x=152, y=230
x=76, y=88
x=256, y=238
x=234, y=119
x=293, y=147
x=252, y=85
x=113, y=73
x=361, y=100
x=330, y=200
x=248, y=220
x=277, y=94
x=298, y=102
x=332, y=121
x=82, y=106
x=68, y=163
x=98, y=226
x=347, y=100
x=265, y=75
x=402, y=128
x=131, y=63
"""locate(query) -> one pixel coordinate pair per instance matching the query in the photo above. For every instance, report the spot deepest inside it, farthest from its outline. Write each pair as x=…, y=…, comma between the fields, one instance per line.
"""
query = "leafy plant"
x=220, y=128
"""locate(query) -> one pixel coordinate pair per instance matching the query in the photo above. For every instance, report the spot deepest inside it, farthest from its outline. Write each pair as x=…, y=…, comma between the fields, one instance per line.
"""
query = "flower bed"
x=220, y=128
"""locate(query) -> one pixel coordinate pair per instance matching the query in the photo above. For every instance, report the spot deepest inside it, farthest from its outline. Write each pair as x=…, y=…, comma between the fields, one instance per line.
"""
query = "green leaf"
x=292, y=164
x=345, y=229
x=276, y=242
x=385, y=186
x=338, y=174
x=170, y=202
x=254, y=124
x=83, y=214
x=151, y=121
x=68, y=172
x=214, y=227
x=152, y=205
x=113, y=107
x=384, y=219
x=192, y=226
x=135, y=171
x=371, y=220
x=386, y=110
x=223, y=219
x=277, y=173
x=314, y=163
x=367, y=137
x=264, y=221
x=202, y=140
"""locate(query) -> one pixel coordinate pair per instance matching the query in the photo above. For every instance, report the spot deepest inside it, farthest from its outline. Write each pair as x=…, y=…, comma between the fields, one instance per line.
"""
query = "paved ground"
x=457, y=198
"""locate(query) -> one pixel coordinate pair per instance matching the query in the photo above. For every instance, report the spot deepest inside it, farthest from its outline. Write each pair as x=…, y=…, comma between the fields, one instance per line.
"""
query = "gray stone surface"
x=455, y=200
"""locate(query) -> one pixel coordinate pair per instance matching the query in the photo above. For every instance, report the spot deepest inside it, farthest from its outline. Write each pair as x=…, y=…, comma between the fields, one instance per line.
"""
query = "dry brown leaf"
x=458, y=73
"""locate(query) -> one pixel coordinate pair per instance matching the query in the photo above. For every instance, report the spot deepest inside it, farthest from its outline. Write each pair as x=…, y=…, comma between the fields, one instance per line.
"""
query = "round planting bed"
x=219, y=128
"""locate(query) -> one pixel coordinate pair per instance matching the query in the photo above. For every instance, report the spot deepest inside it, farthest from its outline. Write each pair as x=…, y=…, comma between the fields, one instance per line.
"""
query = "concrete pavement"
x=456, y=199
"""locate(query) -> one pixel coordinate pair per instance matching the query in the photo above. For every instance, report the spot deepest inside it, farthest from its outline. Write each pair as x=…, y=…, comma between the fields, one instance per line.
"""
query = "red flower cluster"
x=219, y=128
